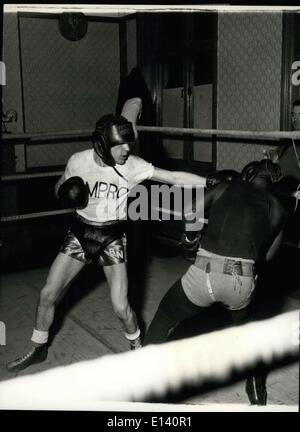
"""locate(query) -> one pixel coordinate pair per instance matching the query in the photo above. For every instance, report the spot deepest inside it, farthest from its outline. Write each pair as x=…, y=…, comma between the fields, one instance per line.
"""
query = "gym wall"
x=66, y=85
x=249, y=81
x=54, y=85
x=131, y=44
x=11, y=92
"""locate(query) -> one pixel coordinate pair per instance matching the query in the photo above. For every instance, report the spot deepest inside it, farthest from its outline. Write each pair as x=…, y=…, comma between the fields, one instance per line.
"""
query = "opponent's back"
x=241, y=222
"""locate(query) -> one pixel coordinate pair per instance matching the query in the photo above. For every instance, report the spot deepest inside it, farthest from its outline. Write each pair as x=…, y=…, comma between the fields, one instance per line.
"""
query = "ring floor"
x=86, y=327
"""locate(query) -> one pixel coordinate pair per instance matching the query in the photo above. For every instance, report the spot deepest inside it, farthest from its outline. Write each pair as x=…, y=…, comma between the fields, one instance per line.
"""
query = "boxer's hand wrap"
x=220, y=177
x=73, y=193
x=190, y=241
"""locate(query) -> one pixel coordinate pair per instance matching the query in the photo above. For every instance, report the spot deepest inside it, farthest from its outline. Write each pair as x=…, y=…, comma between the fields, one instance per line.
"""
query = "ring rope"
x=30, y=176
x=17, y=177
x=153, y=370
x=66, y=211
x=35, y=215
x=82, y=133
x=221, y=133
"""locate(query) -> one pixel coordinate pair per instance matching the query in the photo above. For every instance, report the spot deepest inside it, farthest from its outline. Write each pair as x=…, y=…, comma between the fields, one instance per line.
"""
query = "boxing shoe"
x=136, y=344
x=256, y=389
x=34, y=355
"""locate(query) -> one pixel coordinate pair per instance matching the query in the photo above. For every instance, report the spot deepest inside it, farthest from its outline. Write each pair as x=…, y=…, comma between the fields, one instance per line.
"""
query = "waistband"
x=204, y=252
x=225, y=265
x=97, y=224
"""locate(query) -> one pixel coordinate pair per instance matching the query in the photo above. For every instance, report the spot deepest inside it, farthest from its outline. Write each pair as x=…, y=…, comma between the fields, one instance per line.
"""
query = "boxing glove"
x=220, y=177
x=73, y=193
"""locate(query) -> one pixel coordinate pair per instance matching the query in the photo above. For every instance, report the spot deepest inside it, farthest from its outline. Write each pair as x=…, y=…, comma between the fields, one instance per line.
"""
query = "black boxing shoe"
x=35, y=355
x=256, y=389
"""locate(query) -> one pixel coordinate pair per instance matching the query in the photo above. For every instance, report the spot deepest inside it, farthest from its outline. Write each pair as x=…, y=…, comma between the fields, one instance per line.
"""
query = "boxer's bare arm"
x=274, y=247
x=179, y=178
x=278, y=219
x=132, y=110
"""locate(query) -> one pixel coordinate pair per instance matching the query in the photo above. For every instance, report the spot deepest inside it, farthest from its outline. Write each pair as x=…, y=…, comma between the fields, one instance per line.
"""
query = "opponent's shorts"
x=105, y=245
x=207, y=281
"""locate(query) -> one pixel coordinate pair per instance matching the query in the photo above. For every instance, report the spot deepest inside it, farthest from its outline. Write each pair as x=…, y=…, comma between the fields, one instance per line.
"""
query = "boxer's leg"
x=256, y=387
x=117, y=279
x=62, y=271
x=174, y=308
x=113, y=259
x=116, y=276
x=256, y=381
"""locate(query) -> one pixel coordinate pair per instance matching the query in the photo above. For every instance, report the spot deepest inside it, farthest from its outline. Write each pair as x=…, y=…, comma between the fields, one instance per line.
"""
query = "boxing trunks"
x=215, y=278
x=105, y=244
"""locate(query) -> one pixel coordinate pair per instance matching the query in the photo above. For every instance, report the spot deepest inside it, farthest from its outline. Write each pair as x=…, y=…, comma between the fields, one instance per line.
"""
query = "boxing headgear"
x=262, y=169
x=111, y=131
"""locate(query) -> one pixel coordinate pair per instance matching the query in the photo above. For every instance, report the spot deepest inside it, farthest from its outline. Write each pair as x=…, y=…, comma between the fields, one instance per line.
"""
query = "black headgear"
x=111, y=131
x=262, y=169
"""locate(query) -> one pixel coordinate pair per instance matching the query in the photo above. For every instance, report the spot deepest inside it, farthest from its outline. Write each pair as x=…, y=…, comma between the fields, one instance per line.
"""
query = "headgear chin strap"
x=263, y=169
x=111, y=131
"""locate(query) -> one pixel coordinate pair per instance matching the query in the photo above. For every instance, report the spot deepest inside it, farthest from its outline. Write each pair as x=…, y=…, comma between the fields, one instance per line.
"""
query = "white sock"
x=133, y=336
x=39, y=336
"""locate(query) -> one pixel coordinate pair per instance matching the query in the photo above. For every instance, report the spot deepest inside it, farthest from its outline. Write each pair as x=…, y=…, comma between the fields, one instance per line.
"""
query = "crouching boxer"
x=97, y=182
x=245, y=224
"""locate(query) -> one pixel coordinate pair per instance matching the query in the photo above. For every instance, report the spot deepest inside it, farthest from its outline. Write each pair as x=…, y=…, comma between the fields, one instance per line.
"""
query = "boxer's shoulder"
x=134, y=161
x=81, y=158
